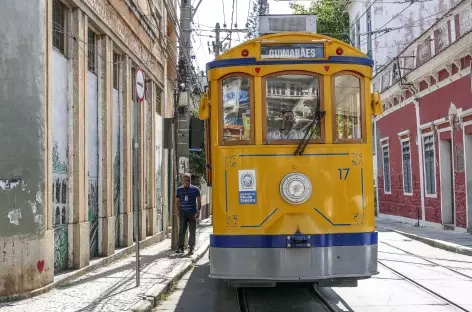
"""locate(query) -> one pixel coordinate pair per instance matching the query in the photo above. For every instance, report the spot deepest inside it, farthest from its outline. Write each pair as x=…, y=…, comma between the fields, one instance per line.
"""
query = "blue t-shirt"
x=188, y=199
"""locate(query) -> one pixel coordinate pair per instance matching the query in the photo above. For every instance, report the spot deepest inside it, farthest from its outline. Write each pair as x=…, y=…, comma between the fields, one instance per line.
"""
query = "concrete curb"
x=104, y=261
x=439, y=243
x=154, y=294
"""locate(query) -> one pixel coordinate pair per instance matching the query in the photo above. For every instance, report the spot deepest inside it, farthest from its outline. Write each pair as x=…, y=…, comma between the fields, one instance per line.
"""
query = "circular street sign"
x=140, y=84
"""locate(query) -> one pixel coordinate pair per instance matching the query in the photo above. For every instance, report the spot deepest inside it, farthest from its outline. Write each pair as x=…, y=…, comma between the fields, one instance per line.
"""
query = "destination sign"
x=292, y=51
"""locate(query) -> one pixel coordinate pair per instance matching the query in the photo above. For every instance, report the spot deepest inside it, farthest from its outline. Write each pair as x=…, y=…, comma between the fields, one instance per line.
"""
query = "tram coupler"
x=298, y=240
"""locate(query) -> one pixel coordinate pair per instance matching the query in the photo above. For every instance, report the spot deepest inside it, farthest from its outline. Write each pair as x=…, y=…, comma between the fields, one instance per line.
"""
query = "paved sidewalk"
x=113, y=287
x=448, y=240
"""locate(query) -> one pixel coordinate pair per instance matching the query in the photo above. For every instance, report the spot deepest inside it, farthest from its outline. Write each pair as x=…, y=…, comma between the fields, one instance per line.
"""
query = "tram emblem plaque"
x=247, y=187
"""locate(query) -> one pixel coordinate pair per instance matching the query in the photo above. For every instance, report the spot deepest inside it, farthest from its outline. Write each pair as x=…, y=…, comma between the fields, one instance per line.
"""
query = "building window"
x=291, y=99
x=158, y=100
x=116, y=70
x=386, y=169
x=429, y=164
x=406, y=159
x=358, y=34
x=369, y=32
x=92, y=51
x=237, y=109
x=347, y=107
x=353, y=36
x=59, y=26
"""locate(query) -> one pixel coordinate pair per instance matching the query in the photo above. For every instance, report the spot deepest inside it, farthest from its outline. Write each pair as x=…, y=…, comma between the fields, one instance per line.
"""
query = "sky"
x=210, y=12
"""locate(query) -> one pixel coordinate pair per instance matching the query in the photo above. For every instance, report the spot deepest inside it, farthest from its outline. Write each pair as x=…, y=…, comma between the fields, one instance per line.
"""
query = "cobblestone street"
x=113, y=288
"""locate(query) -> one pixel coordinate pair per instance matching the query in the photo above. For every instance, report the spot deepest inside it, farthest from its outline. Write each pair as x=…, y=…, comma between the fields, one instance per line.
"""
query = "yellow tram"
x=289, y=153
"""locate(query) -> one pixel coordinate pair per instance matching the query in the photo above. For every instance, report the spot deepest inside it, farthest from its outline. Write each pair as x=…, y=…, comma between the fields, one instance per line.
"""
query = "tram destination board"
x=292, y=51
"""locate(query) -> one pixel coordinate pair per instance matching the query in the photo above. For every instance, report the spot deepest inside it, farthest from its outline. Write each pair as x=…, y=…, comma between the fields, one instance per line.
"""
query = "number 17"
x=341, y=173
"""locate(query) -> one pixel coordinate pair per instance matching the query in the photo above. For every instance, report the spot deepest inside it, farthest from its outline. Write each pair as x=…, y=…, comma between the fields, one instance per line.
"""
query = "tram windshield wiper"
x=309, y=133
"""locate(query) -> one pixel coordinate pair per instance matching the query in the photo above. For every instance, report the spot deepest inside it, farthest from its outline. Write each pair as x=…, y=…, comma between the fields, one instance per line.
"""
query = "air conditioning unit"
x=269, y=24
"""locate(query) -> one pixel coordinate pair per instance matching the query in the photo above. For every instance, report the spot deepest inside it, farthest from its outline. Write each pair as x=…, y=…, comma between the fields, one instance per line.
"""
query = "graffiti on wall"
x=92, y=128
x=116, y=165
x=159, y=214
x=60, y=150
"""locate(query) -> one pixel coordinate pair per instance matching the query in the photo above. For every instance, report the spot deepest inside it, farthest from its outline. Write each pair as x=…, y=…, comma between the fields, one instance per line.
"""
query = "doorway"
x=468, y=178
x=447, y=188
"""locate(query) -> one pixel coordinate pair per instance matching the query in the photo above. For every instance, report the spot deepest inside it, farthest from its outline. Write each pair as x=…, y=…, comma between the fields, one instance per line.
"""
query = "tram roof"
x=290, y=38
x=251, y=49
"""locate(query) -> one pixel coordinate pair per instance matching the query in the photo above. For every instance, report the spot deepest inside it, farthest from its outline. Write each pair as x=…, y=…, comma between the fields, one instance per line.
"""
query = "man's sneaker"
x=180, y=250
x=190, y=251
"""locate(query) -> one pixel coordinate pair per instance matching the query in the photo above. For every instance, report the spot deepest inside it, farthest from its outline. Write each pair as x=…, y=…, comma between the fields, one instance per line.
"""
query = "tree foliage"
x=197, y=163
x=259, y=7
x=332, y=18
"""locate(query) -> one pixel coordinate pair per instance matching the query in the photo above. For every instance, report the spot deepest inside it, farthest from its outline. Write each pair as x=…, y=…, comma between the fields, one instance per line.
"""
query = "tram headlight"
x=295, y=188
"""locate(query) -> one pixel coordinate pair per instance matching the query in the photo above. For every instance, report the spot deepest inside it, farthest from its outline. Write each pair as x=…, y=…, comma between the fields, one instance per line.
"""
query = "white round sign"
x=140, y=84
x=295, y=188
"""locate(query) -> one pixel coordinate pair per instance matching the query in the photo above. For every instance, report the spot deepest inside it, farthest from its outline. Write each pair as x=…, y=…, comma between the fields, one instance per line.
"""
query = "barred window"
x=116, y=70
x=429, y=165
x=386, y=169
x=369, y=31
x=358, y=34
x=407, y=178
x=92, y=45
x=59, y=25
x=158, y=100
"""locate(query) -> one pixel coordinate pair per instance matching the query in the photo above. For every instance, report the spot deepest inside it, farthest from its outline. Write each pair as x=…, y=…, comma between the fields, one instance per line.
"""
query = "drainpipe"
x=377, y=209
x=419, y=143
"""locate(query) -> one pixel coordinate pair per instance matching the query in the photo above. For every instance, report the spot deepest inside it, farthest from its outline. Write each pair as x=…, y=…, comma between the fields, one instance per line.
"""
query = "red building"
x=424, y=136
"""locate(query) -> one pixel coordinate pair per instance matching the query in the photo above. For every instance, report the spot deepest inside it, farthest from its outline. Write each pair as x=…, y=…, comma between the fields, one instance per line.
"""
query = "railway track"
x=251, y=300
x=429, y=261
x=428, y=290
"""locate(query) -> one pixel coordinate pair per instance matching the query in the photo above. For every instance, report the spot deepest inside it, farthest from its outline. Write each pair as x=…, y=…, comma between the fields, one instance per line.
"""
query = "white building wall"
x=408, y=21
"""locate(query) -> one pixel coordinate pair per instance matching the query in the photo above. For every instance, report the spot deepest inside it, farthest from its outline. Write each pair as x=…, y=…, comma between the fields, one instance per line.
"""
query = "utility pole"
x=218, y=43
x=182, y=101
x=217, y=46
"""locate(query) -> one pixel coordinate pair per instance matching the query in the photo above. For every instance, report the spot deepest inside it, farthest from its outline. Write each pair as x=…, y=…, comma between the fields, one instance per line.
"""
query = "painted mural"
x=146, y=162
x=159, y=214
x=116, y=165
x=60, y=182
x=92, y=142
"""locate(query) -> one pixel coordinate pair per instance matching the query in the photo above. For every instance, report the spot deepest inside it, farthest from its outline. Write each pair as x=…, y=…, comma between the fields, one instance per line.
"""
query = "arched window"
x=58, y=216
x=64, y=191
x=237, y=110
x=291, y=100
x=64, y=221
x=348, y=108
x=58, y=191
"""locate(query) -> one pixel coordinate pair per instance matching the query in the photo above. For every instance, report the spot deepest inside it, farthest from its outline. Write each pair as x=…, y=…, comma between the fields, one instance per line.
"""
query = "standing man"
x=188, y=207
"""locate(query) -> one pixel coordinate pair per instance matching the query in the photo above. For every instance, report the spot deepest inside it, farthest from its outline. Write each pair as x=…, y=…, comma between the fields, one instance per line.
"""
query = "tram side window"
x=291, y=102
x=236, y=109
x=347, y=106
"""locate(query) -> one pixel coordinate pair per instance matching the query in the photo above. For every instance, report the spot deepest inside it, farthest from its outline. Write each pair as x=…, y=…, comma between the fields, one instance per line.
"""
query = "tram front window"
x=347, y=103
x=236, y=109
x=291, y=102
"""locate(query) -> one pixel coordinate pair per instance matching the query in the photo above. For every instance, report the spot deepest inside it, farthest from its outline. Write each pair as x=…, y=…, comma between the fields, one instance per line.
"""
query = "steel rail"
x=427, y=260
x=428, y=290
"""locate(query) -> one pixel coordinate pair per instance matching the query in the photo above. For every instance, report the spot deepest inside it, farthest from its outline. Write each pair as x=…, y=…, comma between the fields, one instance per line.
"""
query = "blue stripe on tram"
x=280, y=241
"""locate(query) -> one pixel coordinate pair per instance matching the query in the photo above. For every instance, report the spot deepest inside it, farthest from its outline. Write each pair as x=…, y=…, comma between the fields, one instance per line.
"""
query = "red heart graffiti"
x=326, y=68
x=40, y=266
x=258, y=70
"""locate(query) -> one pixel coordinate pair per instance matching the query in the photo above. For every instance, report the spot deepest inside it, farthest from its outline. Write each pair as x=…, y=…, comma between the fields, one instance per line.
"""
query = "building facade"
x=383, y=29
x=69, y=119
x=424, y=136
